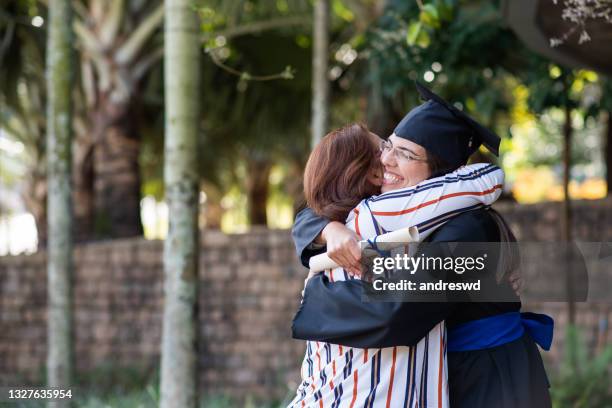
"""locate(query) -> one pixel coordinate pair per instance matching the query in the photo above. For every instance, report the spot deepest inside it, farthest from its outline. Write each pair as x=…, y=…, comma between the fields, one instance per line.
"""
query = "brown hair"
x=337, y=173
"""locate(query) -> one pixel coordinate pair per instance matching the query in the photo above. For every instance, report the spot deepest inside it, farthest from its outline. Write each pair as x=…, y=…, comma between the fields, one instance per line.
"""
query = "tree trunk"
x=213, y=214
x=60, y=82
x=181, y=83
x=294, y=184
x=116, y=174
x=213, y=211
x=258, y=186
x=379, y=112
x=566, y=216
x=609, y=153
x=83, y=194
x=320, y=83
x=117, y=52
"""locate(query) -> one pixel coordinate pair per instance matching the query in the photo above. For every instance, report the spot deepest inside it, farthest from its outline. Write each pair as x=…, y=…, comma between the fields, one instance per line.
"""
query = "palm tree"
x=60, y=67
x=118, y=48
x=181, y=82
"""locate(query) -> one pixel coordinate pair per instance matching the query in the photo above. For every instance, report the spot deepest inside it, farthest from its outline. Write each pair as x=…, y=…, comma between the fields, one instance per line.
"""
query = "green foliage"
x=108, y=378
x=442, y=43
x=132, y=387
x=251, y=118
x=228, y=17
x=549, y=85
x=606, y=99
x=135, y=399
x=22, y=81
x=546, y=148
x=469, y=56
x=343, y=12
x=107, y=385
x=472, y=57
x=418, y=35
x=583, y=381
x=430, y=16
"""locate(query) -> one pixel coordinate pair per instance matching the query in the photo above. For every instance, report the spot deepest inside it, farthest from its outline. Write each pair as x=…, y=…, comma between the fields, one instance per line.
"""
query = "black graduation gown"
x=508, y=376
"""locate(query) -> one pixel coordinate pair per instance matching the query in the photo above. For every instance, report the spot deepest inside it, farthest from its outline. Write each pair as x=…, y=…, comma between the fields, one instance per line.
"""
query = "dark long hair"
x=509, y=263
x=437, y=166
x=509, y=258
x=337, y=173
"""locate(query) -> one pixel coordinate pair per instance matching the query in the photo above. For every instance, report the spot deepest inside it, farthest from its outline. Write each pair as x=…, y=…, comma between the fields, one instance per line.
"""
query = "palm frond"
x=140, y=36
x=232, y=18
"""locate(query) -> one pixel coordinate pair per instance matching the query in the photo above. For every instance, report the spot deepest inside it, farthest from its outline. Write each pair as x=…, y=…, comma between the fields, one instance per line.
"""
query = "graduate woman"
x=493, y=360
x=342, y=176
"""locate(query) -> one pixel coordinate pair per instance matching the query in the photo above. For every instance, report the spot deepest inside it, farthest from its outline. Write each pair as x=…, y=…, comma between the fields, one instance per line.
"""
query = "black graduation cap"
x=445, y=130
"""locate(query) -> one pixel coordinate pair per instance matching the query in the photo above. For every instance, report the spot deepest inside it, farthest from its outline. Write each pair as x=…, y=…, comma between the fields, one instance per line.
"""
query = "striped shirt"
x=337, y=376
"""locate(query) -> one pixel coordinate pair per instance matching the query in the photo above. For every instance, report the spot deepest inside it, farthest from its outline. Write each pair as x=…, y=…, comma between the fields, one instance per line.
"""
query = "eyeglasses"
x=399, y=153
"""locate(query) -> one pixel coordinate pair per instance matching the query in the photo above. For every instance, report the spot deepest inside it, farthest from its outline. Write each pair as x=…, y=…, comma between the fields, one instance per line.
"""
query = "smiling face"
x=405, y=165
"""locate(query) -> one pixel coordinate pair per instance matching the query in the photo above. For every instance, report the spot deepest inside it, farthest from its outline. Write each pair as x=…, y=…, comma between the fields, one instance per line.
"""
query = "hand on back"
x=343, y=246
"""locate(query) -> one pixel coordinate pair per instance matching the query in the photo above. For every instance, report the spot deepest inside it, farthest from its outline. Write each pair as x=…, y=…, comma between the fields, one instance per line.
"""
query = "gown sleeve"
x=434, y=201
x=334, y=312
x=306, y=228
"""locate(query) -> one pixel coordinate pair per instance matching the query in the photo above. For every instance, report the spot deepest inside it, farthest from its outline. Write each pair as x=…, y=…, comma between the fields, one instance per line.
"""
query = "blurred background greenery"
x=255, y=134
x=545, y=101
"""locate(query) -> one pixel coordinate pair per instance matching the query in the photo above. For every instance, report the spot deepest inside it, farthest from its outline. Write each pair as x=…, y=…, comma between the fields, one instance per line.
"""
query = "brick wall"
x=592, y=220
x=250, y=288
x=249, y=292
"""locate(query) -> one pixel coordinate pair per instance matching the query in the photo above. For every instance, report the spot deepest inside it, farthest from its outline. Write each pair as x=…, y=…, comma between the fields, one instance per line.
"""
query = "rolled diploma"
x=388, y=241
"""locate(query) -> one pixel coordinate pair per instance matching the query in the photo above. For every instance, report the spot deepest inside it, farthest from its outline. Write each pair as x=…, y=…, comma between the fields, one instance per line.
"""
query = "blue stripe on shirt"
x=437, y=183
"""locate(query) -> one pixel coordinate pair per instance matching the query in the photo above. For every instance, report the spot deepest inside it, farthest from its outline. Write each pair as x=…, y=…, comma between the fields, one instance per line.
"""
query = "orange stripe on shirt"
x=355, y=382
x=390, y=392
x=427, y=203
x=357, y=221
